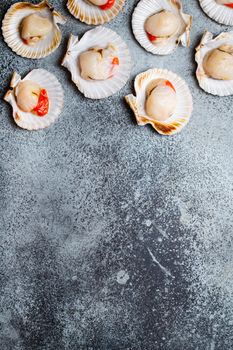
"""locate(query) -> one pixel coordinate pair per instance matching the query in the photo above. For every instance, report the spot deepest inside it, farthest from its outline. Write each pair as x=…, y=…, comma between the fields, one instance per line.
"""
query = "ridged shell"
x=54, y=89
x=210, y=85
x=98, y=37
x=91, y=14
x=219, y=13
x=11, y=34
x=184, y=106
x=147, y=8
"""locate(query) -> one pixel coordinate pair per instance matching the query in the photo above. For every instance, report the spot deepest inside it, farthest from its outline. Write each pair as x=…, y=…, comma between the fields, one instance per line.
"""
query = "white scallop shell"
x=210, y=85
x=184, y=106
x=54, y=89
x=11, y=24
x=147, y=8
x=91, y=14
x=98, y=37
x=220, y=13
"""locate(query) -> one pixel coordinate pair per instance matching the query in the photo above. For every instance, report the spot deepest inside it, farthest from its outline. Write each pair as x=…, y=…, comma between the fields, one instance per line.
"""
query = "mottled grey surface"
x=113, y=237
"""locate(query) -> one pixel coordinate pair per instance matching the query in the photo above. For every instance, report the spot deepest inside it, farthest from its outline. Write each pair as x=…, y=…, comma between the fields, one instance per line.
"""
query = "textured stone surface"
x=113, y=237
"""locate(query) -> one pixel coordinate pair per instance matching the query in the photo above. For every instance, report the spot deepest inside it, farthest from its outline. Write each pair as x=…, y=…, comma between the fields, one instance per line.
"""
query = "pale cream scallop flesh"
x=27, y=94
x=161, y=100
x=161, y=26
x=218, y=63
x=31, y=98
x=228, y=3
x=34, y=28
x=98, y=63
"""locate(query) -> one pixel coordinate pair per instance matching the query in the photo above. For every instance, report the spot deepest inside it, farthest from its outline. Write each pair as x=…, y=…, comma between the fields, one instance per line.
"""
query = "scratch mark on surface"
x=165, y=271
x=212, y=344
x=162, y=232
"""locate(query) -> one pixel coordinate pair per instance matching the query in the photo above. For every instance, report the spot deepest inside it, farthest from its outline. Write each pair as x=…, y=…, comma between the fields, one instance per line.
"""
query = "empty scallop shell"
x=219, y=13
x=11, y=25
x=147, y=8
x=91, y=14
x=184, y=105
x=102, y=37
x=47, y=81
x=210, y=85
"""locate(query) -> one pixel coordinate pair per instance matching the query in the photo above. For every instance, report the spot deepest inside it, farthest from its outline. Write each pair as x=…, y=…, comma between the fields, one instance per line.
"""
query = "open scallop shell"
x=219, y=13
x=11, y=33
x=101, y=37
x=47, y=81
x=147, y=8
x=91, y=14
x=210, y=85
x=184, y=106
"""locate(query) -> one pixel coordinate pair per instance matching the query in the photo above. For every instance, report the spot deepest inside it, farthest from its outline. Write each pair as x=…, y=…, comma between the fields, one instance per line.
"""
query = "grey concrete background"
x=113, y=237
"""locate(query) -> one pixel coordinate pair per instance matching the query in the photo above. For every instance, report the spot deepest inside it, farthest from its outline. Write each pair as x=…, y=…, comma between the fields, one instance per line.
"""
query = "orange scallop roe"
x=108, y=5
x=168, y=83
x=151, y=37
x=116, y=61
x=42, y=107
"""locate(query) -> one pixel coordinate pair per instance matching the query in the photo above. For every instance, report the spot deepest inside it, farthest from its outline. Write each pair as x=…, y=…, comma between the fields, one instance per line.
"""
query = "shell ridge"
x=91, y=14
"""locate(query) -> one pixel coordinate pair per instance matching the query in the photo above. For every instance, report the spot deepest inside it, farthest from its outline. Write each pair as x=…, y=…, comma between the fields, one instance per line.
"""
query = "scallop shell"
x=210, y=85
x=98, y=37
x=11, y=34
x=91, y=14
x=46, y=80
x=147, y=8
x=184, y=106
x=219, y=13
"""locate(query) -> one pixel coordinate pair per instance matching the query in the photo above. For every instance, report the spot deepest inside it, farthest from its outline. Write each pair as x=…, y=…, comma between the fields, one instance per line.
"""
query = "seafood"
x=162, y=100
x=99, y=63
x=95, y=12
x=32, y=31
x=214, y=57
x=219, y=10
x=36, y=100
x=160, y=25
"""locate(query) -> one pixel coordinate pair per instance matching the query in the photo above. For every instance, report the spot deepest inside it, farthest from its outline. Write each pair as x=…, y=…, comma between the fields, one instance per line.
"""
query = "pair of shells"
x=214, y=57
x=11, y=27
x=45, y=80
x=219, y=10
x=166, y=18
x=86, y=11
x=92, y=89
x=176, y=103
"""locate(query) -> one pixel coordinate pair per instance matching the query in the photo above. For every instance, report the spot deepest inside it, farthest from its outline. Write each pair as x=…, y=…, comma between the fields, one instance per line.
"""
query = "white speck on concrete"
x=148, y=223
x=122, y=277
